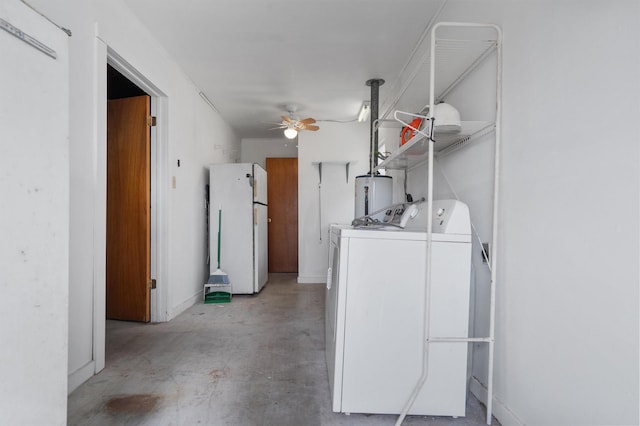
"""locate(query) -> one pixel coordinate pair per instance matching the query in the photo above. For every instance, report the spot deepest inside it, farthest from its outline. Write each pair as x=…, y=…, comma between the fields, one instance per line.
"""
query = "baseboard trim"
x=185, y=305
x=81, y=375
x=313, y=279
x=500, y=410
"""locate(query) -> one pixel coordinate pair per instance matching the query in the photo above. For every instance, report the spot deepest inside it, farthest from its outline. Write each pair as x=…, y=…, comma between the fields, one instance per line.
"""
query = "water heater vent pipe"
x=375, y=84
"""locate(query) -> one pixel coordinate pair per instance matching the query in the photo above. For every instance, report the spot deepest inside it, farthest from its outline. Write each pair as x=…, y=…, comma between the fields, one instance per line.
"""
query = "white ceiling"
x=252, y=57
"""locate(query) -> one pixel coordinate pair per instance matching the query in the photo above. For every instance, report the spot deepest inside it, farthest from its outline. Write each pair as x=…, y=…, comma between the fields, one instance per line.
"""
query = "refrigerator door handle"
x=254, y=182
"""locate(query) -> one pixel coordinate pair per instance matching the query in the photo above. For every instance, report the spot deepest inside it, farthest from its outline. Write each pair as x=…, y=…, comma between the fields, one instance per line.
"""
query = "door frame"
x=159, y=195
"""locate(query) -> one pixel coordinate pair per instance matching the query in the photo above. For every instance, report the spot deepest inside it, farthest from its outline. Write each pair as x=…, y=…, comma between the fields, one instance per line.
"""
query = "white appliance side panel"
x=259, y=184
x=384, y=329
x=338, y=314
x=331, y=306
x=450, y=289
x=230, y=190
x=446, y=389
x=260, y=245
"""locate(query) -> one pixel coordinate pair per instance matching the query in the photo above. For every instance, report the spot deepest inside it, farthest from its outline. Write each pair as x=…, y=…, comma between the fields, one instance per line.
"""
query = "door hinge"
x=151, y=121
x=152, y=283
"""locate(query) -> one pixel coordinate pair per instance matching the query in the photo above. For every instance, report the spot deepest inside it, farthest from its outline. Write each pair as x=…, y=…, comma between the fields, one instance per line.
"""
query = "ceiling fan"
x=292, y=125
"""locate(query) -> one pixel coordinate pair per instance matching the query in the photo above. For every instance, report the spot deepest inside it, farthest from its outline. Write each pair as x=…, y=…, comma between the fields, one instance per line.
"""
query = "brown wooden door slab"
x=282, y=193
x=128, y=209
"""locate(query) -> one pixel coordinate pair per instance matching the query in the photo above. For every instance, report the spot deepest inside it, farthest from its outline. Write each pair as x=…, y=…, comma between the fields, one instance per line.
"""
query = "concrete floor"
x=258, y=360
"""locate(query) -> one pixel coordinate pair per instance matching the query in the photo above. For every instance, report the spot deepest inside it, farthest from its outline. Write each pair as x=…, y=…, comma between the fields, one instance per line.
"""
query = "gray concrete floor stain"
x=258, y=360
x=133, y=403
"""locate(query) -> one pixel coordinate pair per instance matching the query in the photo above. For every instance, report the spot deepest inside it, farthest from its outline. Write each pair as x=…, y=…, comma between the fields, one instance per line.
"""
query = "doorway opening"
x=158, y=197
x=282, y=193
x=159, y=300
x=128, y=238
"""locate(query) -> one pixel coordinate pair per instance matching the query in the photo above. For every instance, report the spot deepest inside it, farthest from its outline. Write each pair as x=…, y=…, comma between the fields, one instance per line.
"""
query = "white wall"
x=192, y=129
x=34, y=253
x=567, y=313
x=569, y=272
x=256, y=150
x=334, y=142
x=188, y=226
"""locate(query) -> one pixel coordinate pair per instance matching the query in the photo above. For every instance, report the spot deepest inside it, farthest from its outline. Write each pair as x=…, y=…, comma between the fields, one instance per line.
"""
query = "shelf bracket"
x=346, y=164
x=429, y=119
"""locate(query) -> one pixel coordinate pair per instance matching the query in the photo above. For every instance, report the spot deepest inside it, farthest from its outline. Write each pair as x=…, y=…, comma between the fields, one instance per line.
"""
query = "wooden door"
x=282, y=195
x=128, y=209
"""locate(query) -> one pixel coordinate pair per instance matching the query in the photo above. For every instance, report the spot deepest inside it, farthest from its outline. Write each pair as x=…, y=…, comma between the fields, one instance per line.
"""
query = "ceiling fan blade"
x=285, y=118
x=279, y=127
x=308, y=120
x=311, y=127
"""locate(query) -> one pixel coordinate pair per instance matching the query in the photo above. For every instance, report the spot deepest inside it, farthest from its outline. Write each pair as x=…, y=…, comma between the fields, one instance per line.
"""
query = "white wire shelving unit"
x=456, y=49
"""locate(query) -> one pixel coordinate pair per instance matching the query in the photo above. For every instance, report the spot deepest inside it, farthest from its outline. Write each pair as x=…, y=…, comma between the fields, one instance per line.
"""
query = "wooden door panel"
x=282, y=193
x=128, y=213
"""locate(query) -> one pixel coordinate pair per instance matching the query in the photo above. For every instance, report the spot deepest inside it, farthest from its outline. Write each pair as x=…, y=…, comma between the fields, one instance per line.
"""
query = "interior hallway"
x=258, y=360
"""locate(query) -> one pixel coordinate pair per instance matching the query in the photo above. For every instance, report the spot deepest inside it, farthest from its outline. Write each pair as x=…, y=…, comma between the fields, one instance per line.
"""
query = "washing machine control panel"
x=450, y=217
x=393, y=215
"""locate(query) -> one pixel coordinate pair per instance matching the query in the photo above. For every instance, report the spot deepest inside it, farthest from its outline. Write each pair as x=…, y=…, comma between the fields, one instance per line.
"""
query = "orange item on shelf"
x=409, y=131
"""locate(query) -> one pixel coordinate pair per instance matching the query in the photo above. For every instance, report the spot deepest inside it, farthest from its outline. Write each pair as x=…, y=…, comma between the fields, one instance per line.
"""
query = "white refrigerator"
x=240, y=191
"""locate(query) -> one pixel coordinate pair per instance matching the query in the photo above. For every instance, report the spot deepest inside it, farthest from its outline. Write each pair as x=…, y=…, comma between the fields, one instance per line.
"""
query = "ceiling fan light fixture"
x=290, y=133
x=364, y=111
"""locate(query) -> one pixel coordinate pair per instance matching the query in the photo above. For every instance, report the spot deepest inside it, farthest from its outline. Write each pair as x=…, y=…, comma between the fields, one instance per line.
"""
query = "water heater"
x=373, y=192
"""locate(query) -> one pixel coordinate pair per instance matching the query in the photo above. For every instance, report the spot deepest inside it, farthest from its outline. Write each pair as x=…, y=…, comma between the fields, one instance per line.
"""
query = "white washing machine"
x=374, y=316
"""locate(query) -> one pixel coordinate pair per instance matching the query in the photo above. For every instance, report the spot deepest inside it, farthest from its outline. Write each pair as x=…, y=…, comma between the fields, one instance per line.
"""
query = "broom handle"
x=219, y=231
